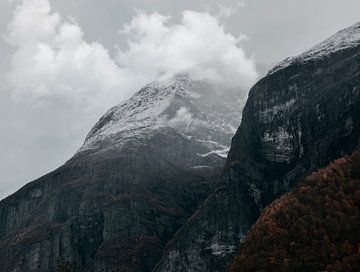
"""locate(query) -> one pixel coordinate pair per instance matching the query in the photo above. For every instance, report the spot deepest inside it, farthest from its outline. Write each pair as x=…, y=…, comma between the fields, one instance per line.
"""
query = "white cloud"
x=225, y=11
x=182, y=119
x=241, y=4
x=157, y=47
x=53, y=61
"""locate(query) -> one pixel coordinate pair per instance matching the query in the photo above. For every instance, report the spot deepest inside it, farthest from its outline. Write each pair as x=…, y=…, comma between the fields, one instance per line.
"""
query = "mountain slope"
x=143, y=170
x=197, y=109
x=302, y=115
x=314, y=228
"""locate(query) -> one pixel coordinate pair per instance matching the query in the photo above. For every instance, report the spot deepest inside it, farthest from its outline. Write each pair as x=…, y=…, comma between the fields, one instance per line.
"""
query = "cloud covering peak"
x=52, y=58
x=158, y=47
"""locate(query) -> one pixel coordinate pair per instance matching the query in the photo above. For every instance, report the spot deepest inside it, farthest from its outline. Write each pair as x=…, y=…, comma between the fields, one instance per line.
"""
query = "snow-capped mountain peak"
x=198, y=109
x=344, y=39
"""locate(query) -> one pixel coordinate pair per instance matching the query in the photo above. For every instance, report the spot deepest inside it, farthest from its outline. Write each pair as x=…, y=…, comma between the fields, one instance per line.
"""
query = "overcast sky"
x=63, y=63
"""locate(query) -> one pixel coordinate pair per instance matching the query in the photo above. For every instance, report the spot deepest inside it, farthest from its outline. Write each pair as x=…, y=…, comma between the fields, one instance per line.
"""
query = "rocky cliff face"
x=313, y=228
x=142, y=172
x=300, y=116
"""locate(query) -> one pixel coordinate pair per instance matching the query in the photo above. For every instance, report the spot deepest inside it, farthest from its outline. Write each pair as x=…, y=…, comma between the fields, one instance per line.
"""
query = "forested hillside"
x=314, y=228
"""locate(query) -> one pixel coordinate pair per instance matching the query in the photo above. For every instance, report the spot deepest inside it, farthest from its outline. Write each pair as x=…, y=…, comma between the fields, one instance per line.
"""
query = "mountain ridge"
x=344, y=39
x=296, y=119
x=121, y=197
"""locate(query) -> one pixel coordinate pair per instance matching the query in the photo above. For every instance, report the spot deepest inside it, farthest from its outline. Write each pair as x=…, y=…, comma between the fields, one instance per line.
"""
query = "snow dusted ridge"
x=197, y=109
x=344, y=39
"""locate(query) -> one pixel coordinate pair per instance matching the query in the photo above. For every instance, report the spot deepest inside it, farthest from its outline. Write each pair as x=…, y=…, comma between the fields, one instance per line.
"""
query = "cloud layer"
x=157, y=47
x=53, y=61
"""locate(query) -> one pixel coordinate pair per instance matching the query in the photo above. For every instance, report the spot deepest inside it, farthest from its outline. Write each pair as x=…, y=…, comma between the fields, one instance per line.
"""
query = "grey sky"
x=37, y=139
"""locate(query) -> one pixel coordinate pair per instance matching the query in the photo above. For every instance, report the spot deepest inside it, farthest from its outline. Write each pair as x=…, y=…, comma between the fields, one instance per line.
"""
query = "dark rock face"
x=143, y=171
x=313, y=228
x=93, y=211
x=302, y=115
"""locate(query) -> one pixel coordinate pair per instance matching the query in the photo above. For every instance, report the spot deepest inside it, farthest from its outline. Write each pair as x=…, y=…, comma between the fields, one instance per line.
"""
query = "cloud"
x=225, y=11
x=157, y=47
x=53, y=61
x=241, y=4
x=183, y=120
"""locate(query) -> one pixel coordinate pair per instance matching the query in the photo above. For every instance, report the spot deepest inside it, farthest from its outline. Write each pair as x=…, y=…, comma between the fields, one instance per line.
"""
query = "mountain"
x=198, y=109
x=147, y=190
x=303, y=114
x=143, y=170
x=314, y=228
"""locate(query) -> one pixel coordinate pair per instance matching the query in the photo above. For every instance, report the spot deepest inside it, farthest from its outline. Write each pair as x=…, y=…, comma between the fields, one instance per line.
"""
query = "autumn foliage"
x=314, y=228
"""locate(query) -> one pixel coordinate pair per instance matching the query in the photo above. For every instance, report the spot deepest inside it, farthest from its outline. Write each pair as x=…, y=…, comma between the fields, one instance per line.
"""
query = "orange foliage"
x=314, y=228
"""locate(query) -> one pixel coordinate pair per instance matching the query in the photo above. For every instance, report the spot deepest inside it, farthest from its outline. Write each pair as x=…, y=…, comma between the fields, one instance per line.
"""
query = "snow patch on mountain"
x=344, y=39
x=197, y=109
